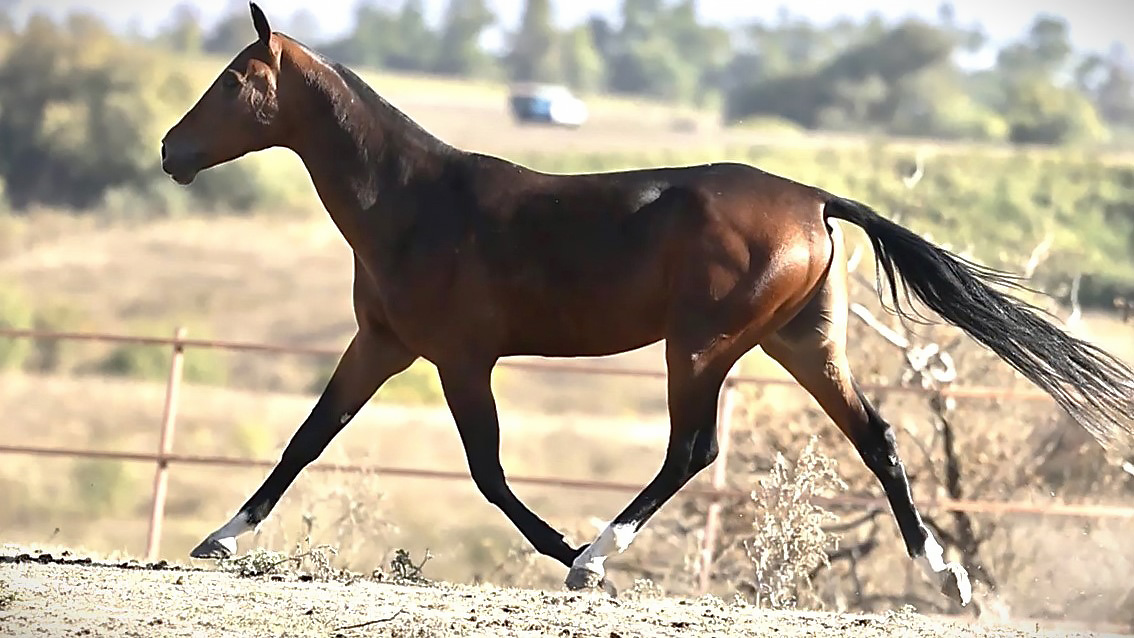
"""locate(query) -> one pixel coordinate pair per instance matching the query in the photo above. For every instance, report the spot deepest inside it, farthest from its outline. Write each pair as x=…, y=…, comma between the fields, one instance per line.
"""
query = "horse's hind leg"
x=705, y=338
x=693, y=392
x=812, y=348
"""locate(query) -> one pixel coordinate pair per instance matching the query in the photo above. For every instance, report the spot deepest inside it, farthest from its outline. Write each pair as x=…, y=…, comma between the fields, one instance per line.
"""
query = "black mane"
x=372, y=102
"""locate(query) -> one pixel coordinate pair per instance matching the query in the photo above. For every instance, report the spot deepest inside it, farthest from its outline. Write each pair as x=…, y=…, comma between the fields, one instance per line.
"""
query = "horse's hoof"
x=579, y=578
x=955, y=584
x=214, y=548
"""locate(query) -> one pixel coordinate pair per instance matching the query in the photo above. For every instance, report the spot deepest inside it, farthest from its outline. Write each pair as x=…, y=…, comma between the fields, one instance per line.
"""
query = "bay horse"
x=462, y=258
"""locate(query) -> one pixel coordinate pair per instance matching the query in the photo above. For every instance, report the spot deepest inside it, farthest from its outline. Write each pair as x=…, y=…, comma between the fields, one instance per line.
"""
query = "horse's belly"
x=586, y=330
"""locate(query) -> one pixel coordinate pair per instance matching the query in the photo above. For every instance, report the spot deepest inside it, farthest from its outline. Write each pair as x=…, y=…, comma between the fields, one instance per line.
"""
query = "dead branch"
x=1038, y=255
x=882, y=329
x=370, y=622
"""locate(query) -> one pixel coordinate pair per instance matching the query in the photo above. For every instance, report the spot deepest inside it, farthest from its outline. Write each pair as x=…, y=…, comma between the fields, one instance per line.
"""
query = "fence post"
x=165, y=444
x=719, y=481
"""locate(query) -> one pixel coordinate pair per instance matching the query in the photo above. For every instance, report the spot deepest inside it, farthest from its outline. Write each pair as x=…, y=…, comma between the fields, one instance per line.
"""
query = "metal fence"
x=717, y=490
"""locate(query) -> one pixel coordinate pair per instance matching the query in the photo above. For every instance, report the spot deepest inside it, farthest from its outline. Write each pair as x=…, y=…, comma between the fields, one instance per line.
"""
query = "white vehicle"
x=547, y=103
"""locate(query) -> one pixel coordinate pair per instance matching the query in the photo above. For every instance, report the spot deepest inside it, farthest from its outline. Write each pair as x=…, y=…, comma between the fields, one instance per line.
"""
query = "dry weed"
x=255, y=562
x=403, y=571
x=344, y=510
x=263, y=562
x=788, y=541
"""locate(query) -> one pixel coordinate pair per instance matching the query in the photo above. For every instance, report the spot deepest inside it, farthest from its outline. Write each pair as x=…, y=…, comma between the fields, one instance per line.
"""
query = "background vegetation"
x=1022, y=164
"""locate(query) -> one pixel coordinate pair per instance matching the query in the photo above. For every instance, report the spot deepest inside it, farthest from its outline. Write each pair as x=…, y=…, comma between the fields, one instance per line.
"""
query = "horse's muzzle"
x=181, y=164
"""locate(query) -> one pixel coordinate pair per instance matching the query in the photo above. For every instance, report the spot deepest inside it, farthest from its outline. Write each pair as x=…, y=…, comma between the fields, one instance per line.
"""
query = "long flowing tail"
x=1093, y=386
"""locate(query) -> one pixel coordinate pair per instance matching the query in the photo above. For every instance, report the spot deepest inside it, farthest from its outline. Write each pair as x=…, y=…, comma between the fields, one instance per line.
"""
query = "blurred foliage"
x=101, y=486
x=16, y=312
x=900, y=78
x=51, y=355
x=459, y=51
x=202, y=366
x=82, y=112
x=401, y=41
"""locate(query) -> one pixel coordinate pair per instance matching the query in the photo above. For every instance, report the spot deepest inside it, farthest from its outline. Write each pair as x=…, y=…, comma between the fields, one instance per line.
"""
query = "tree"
x=864, y=85
x=303, y=26
x=81, y=112
x=706, y=48
x=415, y=46
x=230, y=35
x=184, y=32
x=1039, y=112
x=662, y=50
x=384, y=38
x=460, y=52
x=1044, y=51
x=1109, y=83
x=582, y=64
x=534, y=56
x=1038, y=109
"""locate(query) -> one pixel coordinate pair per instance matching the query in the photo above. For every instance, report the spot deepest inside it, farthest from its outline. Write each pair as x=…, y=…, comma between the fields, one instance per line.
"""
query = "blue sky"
x=1095, y=24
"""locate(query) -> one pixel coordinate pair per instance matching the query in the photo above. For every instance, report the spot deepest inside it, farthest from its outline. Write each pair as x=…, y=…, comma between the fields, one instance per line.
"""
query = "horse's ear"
x=260, y=21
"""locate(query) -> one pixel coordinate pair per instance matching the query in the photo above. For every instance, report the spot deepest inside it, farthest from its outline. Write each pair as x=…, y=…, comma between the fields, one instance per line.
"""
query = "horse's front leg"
x=373, y=356
x=468, y=391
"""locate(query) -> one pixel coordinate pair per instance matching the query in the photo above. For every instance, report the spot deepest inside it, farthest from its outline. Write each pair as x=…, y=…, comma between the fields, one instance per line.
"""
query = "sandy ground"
x=63, y=594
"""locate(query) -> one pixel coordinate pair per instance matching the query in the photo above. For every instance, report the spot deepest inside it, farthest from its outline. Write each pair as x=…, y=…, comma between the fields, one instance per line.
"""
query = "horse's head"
x=238, y=114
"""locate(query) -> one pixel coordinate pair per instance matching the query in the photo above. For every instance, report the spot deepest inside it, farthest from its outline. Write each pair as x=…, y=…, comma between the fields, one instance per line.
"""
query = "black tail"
x=1093, y=386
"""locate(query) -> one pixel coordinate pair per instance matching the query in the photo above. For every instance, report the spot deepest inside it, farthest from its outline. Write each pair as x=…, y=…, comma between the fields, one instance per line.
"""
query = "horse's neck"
x=357, y=147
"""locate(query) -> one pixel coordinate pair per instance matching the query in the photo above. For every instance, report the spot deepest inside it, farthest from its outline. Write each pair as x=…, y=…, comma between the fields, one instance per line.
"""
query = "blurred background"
x=1004, y=131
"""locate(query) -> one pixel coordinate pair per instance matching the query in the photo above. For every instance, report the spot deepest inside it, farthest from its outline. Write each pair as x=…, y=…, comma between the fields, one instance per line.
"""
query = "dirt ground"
x=63, y=594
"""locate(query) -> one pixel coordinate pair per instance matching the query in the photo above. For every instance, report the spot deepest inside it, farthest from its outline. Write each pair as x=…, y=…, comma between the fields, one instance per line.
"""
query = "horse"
x=462, y=258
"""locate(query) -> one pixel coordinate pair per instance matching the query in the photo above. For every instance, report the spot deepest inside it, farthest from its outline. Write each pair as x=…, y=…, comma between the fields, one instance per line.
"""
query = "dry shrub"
x=520, y=567
x=339, y=509
x=770, y=544
x=403, y=571
x=307, y=561
x=788, y=542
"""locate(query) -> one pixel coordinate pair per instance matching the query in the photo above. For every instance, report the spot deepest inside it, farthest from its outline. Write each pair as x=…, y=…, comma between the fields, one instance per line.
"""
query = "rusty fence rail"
x=715, y=492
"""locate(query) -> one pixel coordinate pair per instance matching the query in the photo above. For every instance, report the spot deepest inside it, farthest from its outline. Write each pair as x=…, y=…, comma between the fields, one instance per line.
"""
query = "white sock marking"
x=614, y=539
x=935, y=567
x=226, y=535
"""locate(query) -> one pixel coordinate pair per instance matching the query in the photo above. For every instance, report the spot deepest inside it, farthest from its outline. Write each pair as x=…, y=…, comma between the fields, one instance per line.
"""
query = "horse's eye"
x=230, y=81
